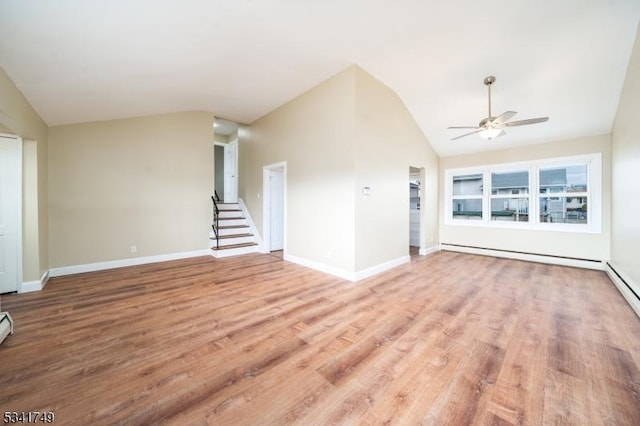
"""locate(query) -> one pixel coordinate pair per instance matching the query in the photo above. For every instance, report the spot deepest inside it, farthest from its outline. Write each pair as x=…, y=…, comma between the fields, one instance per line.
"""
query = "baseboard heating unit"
x=530, y=257
x=6, y=325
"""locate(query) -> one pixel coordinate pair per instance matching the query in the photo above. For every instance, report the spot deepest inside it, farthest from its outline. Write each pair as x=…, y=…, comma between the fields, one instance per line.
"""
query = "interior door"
x=276, y=209
x=231, y=172
x=10, y=211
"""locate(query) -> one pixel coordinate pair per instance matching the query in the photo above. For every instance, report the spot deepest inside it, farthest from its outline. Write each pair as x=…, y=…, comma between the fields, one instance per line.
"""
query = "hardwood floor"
x=446, y=339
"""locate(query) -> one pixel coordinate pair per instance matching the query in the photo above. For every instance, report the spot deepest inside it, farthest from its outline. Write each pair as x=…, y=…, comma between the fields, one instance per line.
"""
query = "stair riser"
x=228, y=206
x=230, y=213
x=231, y=231
x=231, y=222
x=231, y=241
x=234, y=252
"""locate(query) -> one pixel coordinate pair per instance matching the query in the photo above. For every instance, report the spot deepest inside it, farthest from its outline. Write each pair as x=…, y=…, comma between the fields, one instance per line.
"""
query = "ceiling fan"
x=492, y=127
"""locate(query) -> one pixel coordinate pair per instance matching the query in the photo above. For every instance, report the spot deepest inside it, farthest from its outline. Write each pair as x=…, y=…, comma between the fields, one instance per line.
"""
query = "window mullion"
x=534, y=194
x=486, y=197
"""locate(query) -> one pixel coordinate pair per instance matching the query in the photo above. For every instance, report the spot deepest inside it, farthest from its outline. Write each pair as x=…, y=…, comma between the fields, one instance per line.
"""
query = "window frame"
x=593, y=194
x=469, y=197
x=492, y=197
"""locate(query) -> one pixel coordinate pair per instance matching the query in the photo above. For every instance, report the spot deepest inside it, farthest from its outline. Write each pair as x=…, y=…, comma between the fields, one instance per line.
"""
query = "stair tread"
x=230, y=218
x=231, y=246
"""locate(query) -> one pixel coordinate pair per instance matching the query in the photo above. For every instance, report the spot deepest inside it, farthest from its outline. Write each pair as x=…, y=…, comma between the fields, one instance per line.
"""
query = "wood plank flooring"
x=445, y=339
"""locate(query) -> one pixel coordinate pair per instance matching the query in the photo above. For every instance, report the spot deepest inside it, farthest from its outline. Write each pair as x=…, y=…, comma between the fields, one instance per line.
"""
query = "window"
x=467, y=197
x=554, y=194
x=565, y=183
x=510, y=196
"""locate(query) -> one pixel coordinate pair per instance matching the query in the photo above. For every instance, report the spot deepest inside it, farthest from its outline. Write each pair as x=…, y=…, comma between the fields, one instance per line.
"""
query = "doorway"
x=226, y=160
x=274, y=206
x=231, y=172
x=10, y=213
x=414, y=209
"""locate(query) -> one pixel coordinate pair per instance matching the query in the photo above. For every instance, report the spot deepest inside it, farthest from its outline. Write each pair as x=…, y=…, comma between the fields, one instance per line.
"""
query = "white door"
x=276, y=209
x=10, y=212
x=231, y=172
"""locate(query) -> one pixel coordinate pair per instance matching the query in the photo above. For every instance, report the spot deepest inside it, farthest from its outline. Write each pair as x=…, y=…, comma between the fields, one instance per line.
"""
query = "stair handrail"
x=215, y=225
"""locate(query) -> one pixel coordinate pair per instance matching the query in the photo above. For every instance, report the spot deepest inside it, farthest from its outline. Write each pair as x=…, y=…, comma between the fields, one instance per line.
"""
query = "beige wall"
x=18, y=117
x=348, y=132
x=388, y=143
x=220, y=138
x=314, y=134
x=140, y=181
x=625, y=211
x=569, y=244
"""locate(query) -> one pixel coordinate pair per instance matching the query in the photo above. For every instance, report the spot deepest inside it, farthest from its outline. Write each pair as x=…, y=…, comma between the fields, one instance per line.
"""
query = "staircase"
x=231, y=235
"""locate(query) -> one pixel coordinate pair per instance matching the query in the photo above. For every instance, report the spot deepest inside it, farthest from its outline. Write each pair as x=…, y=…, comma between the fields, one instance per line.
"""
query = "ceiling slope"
x=78, y=61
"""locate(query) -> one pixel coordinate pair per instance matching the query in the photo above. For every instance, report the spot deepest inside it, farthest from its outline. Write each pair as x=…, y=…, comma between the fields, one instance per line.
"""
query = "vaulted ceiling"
x=78, y=61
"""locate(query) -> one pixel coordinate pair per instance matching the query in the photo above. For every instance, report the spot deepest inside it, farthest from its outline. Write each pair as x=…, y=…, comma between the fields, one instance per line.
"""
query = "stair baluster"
x=215, y=225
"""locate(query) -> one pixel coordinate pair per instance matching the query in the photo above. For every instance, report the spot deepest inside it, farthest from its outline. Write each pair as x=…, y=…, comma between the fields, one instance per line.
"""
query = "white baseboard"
x=44, y=279
x=530, y=257
x=331, y=270
x=100, y=266
x=366, y=273
x=35, y=285
x=428, y=250
x=29, y=286
x=617, y=277
x=347, y=275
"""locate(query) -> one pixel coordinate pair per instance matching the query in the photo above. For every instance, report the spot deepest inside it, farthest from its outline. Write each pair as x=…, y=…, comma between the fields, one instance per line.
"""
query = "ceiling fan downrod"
x=488, y=81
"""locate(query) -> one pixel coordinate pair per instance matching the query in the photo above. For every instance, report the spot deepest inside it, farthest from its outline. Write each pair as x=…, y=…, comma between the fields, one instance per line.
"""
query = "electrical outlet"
x=133, y=249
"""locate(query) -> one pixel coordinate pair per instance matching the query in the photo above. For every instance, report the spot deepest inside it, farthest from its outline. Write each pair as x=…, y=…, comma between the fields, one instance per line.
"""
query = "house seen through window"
x=562, y=193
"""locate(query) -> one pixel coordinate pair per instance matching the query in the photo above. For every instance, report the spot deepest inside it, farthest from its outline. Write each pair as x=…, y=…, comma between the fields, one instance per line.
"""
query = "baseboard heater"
x=531, y=257
x=625, y=288
x=6, y=325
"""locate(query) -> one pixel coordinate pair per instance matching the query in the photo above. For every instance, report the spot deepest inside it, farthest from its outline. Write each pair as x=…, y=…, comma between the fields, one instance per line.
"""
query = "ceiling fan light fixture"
x=490, y=133
x=492, y=127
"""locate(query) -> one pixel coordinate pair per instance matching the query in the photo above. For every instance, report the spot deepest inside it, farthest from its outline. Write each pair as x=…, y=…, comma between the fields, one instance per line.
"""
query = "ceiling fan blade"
x=462, y=127
x=527, y=121
x=504, y=117
x=467, y=134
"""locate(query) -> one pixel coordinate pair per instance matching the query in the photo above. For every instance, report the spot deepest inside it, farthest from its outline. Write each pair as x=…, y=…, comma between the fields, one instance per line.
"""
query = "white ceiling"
x=78, y=61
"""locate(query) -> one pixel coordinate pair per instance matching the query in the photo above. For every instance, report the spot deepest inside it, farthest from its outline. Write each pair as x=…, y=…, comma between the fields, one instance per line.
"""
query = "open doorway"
x=225, y=160
x=274, y=207
x=414, y=210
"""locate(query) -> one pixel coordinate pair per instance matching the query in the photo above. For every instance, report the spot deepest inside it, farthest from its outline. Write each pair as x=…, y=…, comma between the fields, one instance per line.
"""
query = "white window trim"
x=593, y=194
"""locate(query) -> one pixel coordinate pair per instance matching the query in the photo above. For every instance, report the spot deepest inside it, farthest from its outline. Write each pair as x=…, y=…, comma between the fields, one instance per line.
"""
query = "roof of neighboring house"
x=510, y=180
x=553, y=177
x=548, y=177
